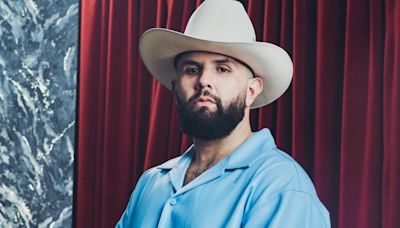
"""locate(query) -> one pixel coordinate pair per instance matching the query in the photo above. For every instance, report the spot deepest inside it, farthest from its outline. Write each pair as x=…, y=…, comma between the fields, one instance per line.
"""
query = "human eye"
x=223, y=69
x=191, y=69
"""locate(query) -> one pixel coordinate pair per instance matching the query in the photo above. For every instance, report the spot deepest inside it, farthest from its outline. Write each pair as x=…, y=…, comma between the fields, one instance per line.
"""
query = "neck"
x=209, y=152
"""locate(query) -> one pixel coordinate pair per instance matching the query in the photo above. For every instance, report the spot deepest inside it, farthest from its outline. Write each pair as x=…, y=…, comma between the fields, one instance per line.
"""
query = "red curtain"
x=339, y=119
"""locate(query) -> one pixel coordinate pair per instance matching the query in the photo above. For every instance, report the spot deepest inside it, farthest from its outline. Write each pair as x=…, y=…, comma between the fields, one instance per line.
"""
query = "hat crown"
x=221, y=21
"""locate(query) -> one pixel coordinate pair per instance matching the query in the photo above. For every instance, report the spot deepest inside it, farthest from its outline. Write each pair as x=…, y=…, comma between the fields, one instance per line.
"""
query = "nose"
x=205, y=79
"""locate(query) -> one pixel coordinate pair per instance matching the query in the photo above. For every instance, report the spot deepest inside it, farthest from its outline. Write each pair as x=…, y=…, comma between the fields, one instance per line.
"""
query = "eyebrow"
x=225, y=60
x=188, y=62
x=218, y=61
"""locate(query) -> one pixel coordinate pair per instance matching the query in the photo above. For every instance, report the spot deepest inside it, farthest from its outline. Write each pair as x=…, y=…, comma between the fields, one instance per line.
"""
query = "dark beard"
x=207, y=125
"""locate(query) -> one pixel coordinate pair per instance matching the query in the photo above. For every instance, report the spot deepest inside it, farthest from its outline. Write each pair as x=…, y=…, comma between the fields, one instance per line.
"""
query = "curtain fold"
x=391, y=115
x=339, y=118
x=361, y=110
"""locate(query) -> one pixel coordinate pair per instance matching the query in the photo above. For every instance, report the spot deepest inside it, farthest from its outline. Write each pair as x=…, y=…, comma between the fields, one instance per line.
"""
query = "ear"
x=255, y=87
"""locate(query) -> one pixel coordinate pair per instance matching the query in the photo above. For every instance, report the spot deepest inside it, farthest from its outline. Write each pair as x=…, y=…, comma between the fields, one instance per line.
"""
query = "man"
x=230, y=176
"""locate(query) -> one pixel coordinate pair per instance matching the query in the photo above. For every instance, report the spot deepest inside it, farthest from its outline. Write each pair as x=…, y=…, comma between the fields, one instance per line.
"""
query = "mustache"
x=201, y=93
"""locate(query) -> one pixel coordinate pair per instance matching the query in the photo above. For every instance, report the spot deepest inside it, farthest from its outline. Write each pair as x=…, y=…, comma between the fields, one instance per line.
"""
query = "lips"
x=205, y=99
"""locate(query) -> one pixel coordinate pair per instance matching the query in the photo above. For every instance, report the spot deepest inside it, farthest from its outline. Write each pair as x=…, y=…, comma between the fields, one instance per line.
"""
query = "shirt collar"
x=247, y=152
x=241, y=157
x=180, y=159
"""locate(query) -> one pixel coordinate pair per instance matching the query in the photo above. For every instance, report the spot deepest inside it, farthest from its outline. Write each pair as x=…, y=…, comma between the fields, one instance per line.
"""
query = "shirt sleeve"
x=286, y=209
x=124, y=221
x=127, y=216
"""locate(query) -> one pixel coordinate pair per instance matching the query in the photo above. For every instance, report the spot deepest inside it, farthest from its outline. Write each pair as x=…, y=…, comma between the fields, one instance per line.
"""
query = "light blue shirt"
x=257, y=185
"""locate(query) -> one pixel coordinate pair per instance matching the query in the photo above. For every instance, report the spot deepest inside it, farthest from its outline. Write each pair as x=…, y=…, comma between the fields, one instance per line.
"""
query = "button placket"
x=172, y=201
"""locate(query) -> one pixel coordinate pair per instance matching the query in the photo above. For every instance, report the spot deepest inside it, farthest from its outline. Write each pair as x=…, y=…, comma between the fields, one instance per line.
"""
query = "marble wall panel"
x=38, y=73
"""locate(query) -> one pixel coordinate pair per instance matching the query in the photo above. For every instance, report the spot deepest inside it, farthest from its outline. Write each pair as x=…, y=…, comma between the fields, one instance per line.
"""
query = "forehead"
x=200, y=56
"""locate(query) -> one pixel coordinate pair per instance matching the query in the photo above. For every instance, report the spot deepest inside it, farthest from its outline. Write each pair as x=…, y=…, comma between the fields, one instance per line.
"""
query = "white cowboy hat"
x=219, y=26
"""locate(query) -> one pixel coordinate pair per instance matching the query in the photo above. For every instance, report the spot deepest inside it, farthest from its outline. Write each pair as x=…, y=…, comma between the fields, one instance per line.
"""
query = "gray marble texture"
x=38, y=70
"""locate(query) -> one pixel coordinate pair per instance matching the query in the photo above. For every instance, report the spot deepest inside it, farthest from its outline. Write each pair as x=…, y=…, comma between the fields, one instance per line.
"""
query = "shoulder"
x=280, y=182
x=275, y=169
x=159, y=170
x=169, y=164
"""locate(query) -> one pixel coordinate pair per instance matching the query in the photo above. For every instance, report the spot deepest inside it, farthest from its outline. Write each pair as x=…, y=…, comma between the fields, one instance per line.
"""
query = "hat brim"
x=159, y=47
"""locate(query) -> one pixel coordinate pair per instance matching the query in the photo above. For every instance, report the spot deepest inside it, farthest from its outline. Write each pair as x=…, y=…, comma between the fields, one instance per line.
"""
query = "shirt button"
x=172, y=202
